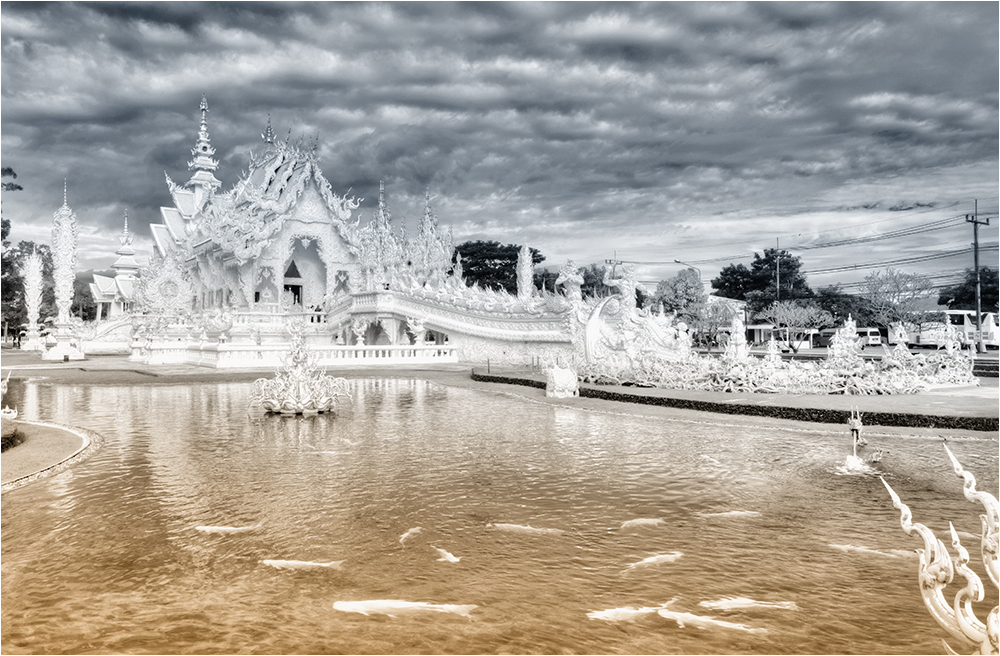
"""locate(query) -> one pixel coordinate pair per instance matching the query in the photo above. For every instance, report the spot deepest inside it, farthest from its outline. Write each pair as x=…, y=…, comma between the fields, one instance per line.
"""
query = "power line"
x=899, y=261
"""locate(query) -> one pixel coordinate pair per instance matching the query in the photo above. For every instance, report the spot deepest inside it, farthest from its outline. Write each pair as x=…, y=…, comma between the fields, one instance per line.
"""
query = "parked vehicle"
x=934, y=334
x=868, y=336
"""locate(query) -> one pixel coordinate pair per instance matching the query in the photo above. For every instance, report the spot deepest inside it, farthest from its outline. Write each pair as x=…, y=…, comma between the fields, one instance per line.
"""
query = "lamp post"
x=690, y=266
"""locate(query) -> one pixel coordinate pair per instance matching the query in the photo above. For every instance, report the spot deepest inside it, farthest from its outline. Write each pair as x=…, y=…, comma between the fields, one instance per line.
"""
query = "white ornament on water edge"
x=937, y=569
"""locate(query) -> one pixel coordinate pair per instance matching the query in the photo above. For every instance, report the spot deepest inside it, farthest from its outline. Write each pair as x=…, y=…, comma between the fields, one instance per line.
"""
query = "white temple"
x=233, y=267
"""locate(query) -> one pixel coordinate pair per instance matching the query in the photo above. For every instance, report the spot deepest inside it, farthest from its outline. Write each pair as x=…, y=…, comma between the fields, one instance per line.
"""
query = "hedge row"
x=817, y=415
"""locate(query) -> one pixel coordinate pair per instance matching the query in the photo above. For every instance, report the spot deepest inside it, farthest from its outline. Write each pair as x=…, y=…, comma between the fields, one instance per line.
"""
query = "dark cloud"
x=583, y=127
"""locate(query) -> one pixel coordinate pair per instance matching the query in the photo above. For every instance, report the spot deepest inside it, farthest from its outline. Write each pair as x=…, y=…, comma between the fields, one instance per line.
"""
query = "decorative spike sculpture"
x=64, y=235
x=32, y=275
x=525, y=270
x=937, y=569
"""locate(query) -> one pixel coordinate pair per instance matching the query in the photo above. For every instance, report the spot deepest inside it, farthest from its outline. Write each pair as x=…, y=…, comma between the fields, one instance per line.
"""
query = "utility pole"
x=974, y=220
x=777, y=268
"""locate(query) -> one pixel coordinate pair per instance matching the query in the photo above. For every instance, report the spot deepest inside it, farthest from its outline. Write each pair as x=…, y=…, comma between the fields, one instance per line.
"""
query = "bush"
x=11, y=438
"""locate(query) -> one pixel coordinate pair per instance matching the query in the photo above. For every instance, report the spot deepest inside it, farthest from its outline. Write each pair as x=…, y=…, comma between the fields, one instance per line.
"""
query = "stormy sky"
x=646, y=132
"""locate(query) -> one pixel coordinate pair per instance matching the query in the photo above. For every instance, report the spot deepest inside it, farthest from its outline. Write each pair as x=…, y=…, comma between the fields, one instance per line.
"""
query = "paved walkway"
x=965, y=408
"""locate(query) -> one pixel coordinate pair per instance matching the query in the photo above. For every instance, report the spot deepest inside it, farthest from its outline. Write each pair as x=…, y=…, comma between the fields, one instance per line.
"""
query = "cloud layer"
x=647, y=132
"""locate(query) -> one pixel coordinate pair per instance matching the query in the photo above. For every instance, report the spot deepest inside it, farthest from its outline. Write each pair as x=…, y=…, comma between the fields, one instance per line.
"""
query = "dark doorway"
x=296, y=293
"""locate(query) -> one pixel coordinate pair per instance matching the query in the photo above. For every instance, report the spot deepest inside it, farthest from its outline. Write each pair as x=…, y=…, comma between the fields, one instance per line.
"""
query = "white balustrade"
x=233, y=356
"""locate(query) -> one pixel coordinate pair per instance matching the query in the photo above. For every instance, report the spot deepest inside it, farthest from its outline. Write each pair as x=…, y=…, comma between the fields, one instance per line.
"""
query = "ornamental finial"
x=65, y=204
x=203, y=107
x=268, y=135
x=125, y=238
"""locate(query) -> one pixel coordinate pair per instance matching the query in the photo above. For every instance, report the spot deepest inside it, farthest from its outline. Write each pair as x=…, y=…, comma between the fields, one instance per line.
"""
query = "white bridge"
x=387, y=327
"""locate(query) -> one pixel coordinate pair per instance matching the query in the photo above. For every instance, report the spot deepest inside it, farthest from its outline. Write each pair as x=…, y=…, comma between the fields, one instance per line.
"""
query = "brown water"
x=105, y=557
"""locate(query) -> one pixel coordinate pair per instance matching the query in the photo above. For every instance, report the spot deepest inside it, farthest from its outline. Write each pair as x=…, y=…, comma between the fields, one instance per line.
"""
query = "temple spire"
x=268, y=135
x=126, y=265
x=203, y=164
x=65, y=203
x=126, y=237
x=383, y=210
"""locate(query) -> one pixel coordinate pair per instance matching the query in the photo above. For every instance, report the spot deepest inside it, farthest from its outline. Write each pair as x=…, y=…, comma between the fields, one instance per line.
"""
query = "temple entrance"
x=304, y=279
x=296, y=293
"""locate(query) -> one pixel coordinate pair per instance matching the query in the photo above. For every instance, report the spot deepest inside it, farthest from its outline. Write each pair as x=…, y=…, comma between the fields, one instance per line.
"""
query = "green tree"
x=8, y=172
x=775, y=275
x=11, y=294
x=684, y=294
x=545, y=279
x=492, y=265
x=842, y=305
x=83, y=300
x=593, y=282
x=963, y=295
x=14, y=311
x=734, y=281
x=797, y=319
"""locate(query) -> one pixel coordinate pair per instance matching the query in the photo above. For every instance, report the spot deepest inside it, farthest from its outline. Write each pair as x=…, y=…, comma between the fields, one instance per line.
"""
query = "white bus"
x=934, y=334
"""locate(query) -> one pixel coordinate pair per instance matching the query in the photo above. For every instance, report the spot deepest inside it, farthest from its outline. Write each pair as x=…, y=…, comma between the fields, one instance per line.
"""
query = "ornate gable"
x=245, y=220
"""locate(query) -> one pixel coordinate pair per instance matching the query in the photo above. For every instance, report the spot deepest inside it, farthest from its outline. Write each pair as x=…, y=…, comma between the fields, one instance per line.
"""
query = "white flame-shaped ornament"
x=937, y=569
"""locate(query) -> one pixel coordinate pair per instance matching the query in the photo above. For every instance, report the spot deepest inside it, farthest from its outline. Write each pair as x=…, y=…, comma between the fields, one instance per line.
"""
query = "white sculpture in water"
x=64, y=233
x=301, y=388
x=937, y=569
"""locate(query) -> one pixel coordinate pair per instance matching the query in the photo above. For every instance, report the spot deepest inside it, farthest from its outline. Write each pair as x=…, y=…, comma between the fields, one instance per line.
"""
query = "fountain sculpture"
x=302, y=388
x=937, y=569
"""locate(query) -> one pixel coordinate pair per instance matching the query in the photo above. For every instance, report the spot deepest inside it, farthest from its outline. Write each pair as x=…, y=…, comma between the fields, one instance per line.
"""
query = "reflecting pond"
x=200, y=529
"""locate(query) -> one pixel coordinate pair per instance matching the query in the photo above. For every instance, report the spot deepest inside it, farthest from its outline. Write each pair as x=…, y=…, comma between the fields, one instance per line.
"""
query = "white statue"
x=571, y=280
x=626, y=285
x=561, y=383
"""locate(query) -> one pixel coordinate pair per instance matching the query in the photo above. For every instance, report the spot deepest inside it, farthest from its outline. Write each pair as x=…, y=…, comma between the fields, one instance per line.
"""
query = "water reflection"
x=106, y=557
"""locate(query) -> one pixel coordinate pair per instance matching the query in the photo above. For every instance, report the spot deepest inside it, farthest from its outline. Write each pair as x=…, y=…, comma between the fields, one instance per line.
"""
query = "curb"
x=92, y=441
x=815, y=415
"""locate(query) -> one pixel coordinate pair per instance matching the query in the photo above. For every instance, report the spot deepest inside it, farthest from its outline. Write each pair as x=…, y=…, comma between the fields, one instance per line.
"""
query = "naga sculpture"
x=301, y=389
x=937, y=569
x=6, y=413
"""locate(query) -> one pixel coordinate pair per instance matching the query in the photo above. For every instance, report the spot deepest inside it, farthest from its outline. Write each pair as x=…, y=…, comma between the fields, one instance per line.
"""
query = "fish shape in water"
x=301, y=564
x=227, y=530
x=892, y=553
x=409, y=534
x=447, y=556
x=520, y=528
x=394, y=607
x=703, y=622
x=733, y=603
x=626, y=614
x=632, y=523
x=657, y=560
